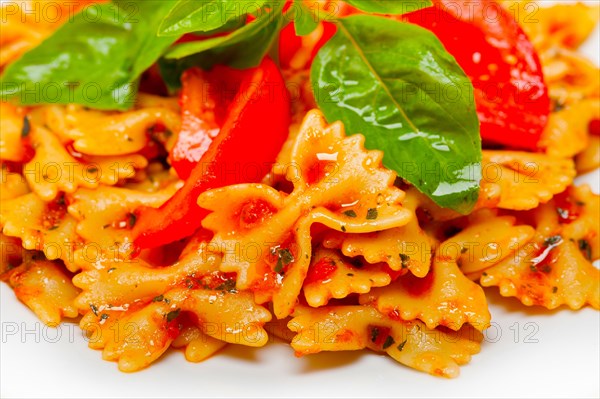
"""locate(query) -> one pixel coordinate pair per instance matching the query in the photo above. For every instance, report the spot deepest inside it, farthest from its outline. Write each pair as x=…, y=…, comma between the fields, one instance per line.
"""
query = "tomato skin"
x=254, y=128
x=510, y=93
x=197, y=131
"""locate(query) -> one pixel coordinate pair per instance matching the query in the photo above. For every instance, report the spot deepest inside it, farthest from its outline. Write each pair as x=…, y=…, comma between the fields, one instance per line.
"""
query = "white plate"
x=527, y=353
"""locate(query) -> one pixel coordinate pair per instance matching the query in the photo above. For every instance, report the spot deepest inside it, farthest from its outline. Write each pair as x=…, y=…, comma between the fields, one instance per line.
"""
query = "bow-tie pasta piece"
x=272, y=257
x=42, y=226
x=152, y=179
x=567, y=132
x=105, y=218
x=555, y=268
x=549, y=273
x=330, y=275
x=261, y=239
x=45, y=287
x=129, y=281
x=11, y=253
x=565, y=25
x=337, y=173
x=578, y=212
x=570, y=76
x=248, y=226
x=120, y=133
x=339, y=328
x=53, y=169
x=445, y=297
x=487, y=240
x=197, y=345
x=406, y=248
x=589, y=159
x=138, y=335
x=523, y=180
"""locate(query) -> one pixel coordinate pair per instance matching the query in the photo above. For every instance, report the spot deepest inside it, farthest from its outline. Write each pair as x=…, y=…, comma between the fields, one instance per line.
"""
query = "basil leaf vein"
x=395, y=83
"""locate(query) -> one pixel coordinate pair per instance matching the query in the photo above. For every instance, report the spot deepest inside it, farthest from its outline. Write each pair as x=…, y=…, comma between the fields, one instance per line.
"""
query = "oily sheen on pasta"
x=330, y=252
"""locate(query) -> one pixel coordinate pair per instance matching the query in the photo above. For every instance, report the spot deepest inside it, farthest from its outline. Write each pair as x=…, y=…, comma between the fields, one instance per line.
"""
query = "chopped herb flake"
x=112, y=269
x=546, y=269
x=158, y=298
x=405, y=259
x=533, y=268
x=285, y=257
x=132, y=219
x=374, y=334
x=372, y=214
x=401, y=346
x=552, y=240
x=173, y=315
x=389, y=341
x=586, y=248
x=94, y=309
x=228, y=286
x=26, y=127
x=104, y=316
x=343, y=228
x=350, y=274
x=350, y=213
x=554, y=290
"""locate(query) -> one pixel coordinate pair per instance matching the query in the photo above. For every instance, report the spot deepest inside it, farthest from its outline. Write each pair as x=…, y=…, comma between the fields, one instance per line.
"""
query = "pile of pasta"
x=332, y=252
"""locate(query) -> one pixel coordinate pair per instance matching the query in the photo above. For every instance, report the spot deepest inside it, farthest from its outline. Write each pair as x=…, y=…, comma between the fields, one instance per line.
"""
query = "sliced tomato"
x=488, y=43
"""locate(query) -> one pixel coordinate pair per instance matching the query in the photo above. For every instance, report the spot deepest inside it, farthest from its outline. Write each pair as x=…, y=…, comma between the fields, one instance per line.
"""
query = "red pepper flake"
x=567, y=207
x=378, y=335
x=544, y=258
x=218, y=281
x=255, y=212
x=55, y=212
x=321, y=271
x=416, y=286
x=320, y=170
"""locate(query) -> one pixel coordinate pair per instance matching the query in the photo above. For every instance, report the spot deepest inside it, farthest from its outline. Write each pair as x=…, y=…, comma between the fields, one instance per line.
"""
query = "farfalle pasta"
x=327, y=248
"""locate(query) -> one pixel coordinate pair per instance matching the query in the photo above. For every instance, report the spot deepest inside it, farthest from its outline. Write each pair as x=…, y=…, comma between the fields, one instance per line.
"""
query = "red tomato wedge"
x=254, y=126
x=488, y=43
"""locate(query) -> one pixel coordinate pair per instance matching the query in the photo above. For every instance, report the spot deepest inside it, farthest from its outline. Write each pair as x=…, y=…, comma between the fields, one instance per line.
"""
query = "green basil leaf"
x=396, y=84
x=230, y=26
x=93, y=60
x=305, y=22
x=253, y=34
x=205, y=15
x=244, y=48
x=391, y=7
